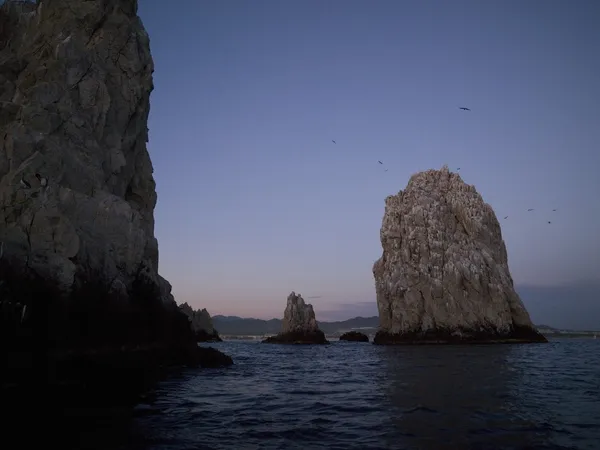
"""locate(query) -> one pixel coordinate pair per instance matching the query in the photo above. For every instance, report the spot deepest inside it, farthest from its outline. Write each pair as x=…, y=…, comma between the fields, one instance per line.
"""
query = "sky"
x=256, y=201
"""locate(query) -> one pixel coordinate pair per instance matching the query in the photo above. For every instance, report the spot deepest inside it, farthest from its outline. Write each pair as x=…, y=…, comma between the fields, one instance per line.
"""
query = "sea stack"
x=80, y=255
x=443, y=276
x=202, y=324
x=299, y=324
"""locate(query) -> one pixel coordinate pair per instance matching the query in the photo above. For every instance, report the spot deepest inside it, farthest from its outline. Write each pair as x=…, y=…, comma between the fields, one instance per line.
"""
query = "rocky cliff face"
x=202, y=324
x=299, y=324
x=77, y=193
x=443, y=276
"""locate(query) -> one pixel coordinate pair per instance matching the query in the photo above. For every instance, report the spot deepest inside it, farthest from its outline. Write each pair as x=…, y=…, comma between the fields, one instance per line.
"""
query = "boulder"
x=443, y=276
x=354, y=336
x=299, y=324
x=78, y=255
x=201, y=324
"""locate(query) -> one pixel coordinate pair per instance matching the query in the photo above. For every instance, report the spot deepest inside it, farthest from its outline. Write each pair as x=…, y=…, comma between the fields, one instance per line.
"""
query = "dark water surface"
x=360, y=396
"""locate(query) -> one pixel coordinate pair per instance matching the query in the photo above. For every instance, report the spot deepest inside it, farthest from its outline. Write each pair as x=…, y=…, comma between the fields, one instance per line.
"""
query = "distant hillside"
x=239, y=326
x=233, y=325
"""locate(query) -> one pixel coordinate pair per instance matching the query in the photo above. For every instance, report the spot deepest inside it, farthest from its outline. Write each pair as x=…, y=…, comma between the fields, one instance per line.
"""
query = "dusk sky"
x=255, y=200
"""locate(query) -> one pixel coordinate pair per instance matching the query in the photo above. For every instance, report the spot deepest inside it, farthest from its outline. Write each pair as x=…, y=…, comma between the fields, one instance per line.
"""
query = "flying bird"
x=43, y=180
x=530, y=209
x=549, y=222
x=506, y=217
x=385, y=170
x=458, y=168
x=464, y=108
x=333, y=141
x=553, y=210
x=379, y=162
x=25, y=183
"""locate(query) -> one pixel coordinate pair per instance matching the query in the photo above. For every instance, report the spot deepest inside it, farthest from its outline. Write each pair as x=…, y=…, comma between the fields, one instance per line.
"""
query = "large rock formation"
x=299, y=324
x=443, y=276
x=79, y=260
x=202, y=324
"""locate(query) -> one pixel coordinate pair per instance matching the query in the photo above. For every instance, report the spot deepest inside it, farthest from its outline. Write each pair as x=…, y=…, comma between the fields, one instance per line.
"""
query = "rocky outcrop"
x=201, y=323
x=79, y=260
x=354, y=336
x=299, y=324
x=443, y=276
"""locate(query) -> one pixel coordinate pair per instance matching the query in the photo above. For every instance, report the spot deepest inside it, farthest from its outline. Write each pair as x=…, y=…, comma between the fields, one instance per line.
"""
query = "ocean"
x=361, y=396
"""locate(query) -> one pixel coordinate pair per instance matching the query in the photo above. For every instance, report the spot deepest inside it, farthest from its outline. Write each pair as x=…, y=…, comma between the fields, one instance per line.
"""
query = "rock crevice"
x=443, y=275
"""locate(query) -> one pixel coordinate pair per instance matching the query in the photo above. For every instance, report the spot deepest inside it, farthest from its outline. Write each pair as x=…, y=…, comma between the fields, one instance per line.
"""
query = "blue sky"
x=254, y=200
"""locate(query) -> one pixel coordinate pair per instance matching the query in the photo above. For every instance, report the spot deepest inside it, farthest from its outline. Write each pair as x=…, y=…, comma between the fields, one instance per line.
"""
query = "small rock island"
x=354, y=336
x=299, y=324
x=443, y=277
x=202, y=324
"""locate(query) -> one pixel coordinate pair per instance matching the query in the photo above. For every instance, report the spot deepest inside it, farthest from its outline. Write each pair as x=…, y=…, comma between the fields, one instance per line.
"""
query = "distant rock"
x=354, y=336
x=79, y=259
x=299, y=324
x=201, y=324
x=443, y=276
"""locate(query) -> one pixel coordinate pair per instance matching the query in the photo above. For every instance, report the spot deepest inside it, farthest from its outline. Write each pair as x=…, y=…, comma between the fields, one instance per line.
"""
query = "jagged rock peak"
x=298, y=316
x=443, y=275
x=201, y=323
x=299, y=325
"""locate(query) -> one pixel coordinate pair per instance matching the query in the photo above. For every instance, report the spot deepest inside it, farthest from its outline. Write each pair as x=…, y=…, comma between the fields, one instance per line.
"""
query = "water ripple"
x=345, y=396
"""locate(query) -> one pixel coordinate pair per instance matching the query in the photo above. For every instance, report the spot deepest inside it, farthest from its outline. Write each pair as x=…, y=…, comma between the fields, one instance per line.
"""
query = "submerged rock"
x=354, y=336
x=201, y=323
x=78, y=256
x=299, y=324
x=443, y=276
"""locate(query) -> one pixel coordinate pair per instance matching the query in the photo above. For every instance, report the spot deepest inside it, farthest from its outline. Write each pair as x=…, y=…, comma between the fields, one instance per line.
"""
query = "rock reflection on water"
x=459, y=397
x=360, y=396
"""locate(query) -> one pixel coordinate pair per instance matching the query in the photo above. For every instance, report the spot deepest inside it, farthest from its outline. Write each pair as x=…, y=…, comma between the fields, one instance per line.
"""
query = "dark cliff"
x=80, y=291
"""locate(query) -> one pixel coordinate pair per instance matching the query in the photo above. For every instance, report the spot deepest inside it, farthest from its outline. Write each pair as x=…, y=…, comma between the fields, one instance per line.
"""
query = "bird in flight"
x=333, y=141
x=379, y=162
x=506, y=217
x=553, y=210
x=549, y=222
x=385, y=170
x=458, y=168
x=464, y=108
x=530, y=209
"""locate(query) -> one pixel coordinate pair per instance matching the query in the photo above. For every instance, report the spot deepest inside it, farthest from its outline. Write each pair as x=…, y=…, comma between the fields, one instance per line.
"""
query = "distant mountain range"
x=239, y=326
x=234, y=325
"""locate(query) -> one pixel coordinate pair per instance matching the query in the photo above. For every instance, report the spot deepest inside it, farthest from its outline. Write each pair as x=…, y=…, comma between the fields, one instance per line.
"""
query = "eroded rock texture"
x=299, y=324
x=443, y=276
x=202, y=324
x=79, y=261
